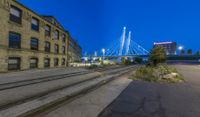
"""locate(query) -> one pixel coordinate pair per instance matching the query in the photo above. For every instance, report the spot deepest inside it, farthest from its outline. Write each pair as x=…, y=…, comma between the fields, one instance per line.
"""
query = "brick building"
x=29, y=40
x=75, y=51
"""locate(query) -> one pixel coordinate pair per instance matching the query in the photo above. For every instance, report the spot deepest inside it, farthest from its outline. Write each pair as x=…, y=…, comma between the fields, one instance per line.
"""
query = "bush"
x=93, y=66
x=126, y=62
x=138, y=60
x=155, y=74
x=145, y=73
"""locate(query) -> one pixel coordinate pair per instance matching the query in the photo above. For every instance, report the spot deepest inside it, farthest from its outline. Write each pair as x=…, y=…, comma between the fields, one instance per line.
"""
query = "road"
x=144, y=99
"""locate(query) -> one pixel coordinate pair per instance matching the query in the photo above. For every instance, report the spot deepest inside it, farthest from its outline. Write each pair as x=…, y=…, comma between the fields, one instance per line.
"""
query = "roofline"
x=53, y=18
x=41, y=16
x=160, y=43
x=64, y=30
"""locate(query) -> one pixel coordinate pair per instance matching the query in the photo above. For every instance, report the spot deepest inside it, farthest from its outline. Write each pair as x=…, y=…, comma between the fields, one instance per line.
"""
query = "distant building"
x=75, y=51
x=170, y=47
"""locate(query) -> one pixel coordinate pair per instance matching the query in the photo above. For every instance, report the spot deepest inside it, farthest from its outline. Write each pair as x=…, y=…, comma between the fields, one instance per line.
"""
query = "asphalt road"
x=144, y=99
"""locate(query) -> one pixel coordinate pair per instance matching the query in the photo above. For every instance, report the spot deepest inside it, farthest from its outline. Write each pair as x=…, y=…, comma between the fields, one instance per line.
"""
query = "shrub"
x=92, y=66
x=138, y=60
x=145, y=73
x=155, y=74
x=126, y=62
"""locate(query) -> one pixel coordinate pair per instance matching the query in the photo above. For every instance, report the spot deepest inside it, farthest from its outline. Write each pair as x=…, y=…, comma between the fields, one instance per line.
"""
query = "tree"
x=182, y=51
x=138, y=60
x=198, y=53
x=189, y=51
x=157, y=55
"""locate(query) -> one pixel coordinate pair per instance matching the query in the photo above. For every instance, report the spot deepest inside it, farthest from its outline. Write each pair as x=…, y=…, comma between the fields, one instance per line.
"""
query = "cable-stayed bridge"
x=125, y=47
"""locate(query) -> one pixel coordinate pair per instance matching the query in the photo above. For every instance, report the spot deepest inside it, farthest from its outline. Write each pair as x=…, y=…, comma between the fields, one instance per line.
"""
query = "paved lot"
x=143, y=99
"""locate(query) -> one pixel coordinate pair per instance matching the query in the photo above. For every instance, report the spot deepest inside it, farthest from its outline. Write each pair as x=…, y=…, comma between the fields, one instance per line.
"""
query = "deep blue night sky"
x=97, y=23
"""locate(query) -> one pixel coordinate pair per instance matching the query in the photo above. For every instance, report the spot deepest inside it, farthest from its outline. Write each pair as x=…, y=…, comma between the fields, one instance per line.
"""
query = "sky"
x=97, y=24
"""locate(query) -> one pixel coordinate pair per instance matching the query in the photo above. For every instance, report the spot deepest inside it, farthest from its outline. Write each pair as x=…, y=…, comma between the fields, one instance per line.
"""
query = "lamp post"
x=180, y=48
x=103, y=51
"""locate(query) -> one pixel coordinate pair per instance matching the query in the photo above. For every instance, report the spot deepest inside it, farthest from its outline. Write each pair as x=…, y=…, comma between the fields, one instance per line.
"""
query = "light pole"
x=103, y=51
x=180, y=48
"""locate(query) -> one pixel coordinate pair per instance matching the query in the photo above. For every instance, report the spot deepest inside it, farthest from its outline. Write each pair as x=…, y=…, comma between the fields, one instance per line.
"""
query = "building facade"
x=28, y=40
x=75, y=51
x=170, y=47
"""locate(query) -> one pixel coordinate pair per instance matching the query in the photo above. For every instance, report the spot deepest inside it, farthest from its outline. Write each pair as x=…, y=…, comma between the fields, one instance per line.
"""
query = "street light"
x=180, y=48
x=103, y=51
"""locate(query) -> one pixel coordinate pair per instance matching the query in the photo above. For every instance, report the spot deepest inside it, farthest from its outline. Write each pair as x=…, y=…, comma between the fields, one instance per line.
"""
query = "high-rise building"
x=170, y=47
x=29, y=40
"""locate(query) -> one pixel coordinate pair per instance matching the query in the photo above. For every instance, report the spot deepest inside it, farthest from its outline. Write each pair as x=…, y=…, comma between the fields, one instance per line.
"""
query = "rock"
x=170, y=76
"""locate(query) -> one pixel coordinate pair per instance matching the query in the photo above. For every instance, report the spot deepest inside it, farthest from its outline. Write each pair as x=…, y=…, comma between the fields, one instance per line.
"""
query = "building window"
x=35, y=24
x=14, y=40
x=47, y=30
x=33, y=63
x=13, y=63
x=47, y=46
x=34, y=44
x=56, y=62
x=15, y=15
x=63, y=49
x=56, y=34
x=64, y=38
x=56, y=48
x=47, y=62
x=63, y=61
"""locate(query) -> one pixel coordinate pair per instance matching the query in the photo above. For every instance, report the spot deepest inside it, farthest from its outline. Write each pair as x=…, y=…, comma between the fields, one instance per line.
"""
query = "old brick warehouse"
x=29, y=40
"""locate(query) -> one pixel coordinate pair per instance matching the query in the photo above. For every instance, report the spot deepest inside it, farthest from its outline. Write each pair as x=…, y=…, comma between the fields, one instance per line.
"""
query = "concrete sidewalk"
x=144, y=99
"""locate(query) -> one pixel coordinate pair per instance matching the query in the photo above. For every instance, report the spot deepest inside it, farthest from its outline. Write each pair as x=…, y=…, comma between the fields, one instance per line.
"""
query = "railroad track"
x=38, y=81
x=21, y=83
x=115, y=71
